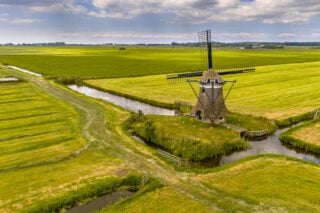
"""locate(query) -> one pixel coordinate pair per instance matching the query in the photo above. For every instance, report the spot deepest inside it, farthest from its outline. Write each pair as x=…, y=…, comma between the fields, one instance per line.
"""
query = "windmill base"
x=221, y=120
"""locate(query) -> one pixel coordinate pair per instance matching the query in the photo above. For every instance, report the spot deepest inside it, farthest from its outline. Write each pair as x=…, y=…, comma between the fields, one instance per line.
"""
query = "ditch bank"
x=93, y=196
x=268, y=144
x=126, y=103
x=178, y=106
x=300, y=143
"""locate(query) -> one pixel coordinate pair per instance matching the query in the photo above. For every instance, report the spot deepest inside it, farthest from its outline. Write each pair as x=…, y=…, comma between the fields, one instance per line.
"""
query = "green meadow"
x=35, y=127
x=260, y=184
x=106, y=62
x=187, y=138
x=306, y=137
x=59, y=148
x=47, y=160
x=274, y=92
x=274, y=184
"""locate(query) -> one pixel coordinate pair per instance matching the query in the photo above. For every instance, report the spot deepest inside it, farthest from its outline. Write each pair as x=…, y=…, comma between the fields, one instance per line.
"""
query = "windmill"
x=210, y=106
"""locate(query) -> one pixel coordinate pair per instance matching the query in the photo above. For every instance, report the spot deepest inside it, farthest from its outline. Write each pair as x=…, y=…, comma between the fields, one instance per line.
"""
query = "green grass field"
x=160, y=200
x=35, y=127
x=273, y=183
x=186, y=137
x=43, y=153
x=306, y=137
x=273, y=92
x=260, y=184
x=105, y=62
x=43, y=125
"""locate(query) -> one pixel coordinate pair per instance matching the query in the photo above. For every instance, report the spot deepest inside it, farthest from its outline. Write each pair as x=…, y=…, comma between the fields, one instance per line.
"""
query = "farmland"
x=106, y=62
x=45, y=152
x=306, y=137
x=274, y=92
x=35, y=128
x=59, y=148
x=270, y=182
x=187, y=138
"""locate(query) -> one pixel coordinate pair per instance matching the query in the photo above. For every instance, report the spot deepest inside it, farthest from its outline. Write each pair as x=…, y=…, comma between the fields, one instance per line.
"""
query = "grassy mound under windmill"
x=191, y=139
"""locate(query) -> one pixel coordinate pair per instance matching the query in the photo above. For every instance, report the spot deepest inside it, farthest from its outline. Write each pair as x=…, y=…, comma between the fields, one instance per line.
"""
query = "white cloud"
x=146, y=35
x=192, y=11
x=242, y=36
x=68, y=34
x=268, y=11
x=25, y=21
x=287, y=35
x=65, y=6
x=20, y=20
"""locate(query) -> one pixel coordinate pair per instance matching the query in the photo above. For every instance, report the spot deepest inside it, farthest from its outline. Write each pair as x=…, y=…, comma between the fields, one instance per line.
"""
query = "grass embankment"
x=87, y=193
x=305, y=137
x=35, y=127
x=251, y=123
x=257, y=184
x=43, y=163
x=52, y=186
x=273, y=92
x=163, y=199
x=273, y=183
x=187, y=138
x=105, y=62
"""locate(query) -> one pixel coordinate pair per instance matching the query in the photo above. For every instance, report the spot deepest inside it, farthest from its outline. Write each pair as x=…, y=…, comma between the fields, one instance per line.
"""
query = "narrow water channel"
x=125, y=103
x=270, y=145
x=101, y=202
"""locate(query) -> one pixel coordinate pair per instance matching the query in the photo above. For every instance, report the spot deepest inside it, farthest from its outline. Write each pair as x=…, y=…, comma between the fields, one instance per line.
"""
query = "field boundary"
x=287, y=138
x=174, y=106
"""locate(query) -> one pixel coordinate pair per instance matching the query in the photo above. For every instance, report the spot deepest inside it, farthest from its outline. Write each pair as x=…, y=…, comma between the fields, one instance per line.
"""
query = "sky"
x=157, y=21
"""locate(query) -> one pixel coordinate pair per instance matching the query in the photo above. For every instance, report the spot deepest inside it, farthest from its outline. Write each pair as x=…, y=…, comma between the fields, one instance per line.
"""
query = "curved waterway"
x=123, y=102
x=270, y=145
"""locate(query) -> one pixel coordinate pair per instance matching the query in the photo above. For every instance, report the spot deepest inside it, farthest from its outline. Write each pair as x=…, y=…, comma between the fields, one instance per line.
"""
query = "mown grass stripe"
x=14, y=101
x=27, y=116
x=35, y=145
x=22, y=108
x=32, y=134
x=39, y=125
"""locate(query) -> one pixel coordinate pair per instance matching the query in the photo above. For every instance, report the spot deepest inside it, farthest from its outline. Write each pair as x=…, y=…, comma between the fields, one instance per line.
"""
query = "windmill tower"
x=210, y=106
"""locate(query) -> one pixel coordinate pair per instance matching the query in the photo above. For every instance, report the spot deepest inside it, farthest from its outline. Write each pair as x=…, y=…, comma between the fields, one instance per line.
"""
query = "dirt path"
x=104, y=128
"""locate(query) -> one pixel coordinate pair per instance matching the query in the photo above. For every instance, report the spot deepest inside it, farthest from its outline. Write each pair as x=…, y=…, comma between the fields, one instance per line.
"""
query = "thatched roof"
x=210, y=74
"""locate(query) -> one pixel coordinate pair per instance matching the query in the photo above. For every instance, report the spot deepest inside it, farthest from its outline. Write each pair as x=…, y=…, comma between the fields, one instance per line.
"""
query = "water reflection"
x=123, y=102
x=270, y=145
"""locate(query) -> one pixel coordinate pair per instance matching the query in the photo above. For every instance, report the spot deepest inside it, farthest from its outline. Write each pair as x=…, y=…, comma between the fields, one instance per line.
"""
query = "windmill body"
x=211, y=107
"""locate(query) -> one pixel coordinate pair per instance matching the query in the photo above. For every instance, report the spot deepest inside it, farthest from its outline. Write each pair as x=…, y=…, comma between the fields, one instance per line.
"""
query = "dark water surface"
x=101, y=202
x=270, y=145
x=123, y=102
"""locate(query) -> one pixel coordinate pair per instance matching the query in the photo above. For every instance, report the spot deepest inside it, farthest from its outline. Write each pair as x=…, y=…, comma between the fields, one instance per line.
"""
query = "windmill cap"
x=210, y=74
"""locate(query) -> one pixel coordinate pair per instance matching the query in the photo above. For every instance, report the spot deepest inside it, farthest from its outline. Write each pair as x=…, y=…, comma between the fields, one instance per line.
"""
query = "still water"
x=270, y=145
x=123, y=102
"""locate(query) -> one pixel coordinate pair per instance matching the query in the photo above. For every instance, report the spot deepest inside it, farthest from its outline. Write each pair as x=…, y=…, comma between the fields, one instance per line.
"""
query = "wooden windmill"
x=210, y=106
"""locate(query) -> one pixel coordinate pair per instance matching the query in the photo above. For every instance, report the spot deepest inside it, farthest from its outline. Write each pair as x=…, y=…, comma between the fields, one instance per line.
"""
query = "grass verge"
x=85, y=194
x=273, y=183
x=185, y=137
x=305, y=137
